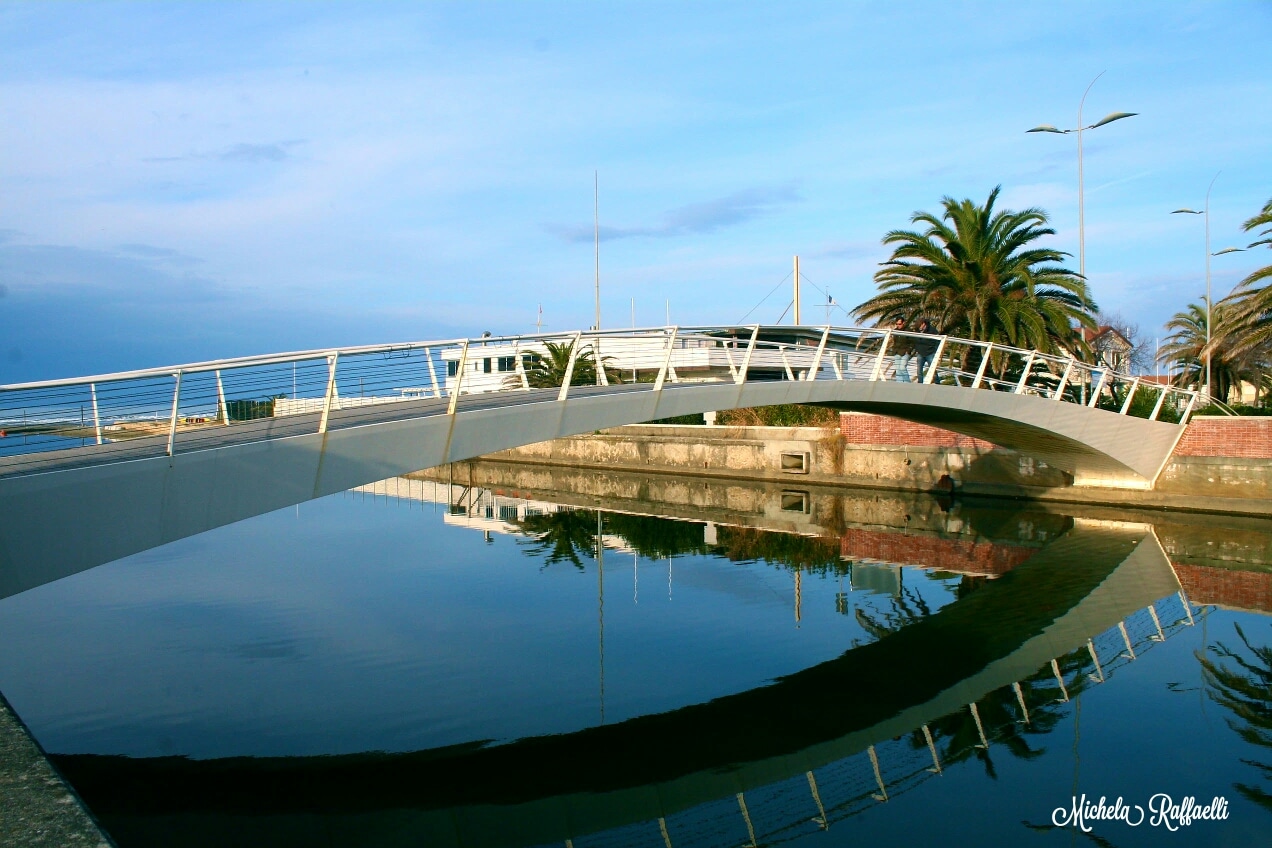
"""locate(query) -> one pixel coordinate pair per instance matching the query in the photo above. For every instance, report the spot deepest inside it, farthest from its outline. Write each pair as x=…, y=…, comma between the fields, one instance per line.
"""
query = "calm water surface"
x=421, y=664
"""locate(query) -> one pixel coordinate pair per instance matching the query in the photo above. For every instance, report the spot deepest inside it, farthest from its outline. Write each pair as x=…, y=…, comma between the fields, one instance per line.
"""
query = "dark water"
x=431, y=665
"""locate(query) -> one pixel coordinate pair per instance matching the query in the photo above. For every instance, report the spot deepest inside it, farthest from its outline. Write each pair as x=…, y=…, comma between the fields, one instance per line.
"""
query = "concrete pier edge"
x=38, y=807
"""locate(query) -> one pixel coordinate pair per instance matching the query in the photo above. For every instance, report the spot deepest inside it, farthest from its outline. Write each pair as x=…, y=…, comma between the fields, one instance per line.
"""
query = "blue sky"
x=181, y=182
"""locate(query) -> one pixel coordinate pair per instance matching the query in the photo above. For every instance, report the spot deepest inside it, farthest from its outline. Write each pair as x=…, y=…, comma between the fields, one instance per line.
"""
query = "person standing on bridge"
x=902, y=350
x=924, y=350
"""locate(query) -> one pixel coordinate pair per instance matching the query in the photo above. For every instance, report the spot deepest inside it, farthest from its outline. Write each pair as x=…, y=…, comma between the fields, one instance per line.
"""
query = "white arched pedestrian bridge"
x=96, y=468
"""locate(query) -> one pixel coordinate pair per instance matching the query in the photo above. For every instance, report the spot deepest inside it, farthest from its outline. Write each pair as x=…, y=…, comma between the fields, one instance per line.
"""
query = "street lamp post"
x=1107, y=119
x=1206, y=212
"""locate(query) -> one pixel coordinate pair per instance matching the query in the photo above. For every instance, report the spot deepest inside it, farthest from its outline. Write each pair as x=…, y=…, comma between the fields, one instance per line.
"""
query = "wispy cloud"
x=256, y=152
x=848, y=249
x=693, y=219
x=159, y=254
x=242, y=152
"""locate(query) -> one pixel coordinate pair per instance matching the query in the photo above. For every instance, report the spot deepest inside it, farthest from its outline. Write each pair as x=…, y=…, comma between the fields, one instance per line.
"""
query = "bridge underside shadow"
x=549, y=788
x=61, y=522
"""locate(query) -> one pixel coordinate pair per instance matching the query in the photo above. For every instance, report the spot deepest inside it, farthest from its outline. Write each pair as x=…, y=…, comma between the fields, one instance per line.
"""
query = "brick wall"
x=1248, y=590
x=1246, y=436
x=962, y=556
x=866, y=429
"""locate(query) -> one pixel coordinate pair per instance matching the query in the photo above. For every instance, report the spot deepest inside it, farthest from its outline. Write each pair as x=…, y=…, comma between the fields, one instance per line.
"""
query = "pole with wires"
x=796, y=274
x=596, y=223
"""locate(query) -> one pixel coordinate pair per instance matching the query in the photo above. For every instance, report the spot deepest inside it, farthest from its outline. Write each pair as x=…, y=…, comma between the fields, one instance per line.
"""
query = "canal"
x=499, y=655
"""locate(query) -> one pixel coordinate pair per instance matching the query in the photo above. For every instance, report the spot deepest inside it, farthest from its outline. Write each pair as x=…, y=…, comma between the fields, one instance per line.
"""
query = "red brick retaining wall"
x=1246, y=436
x=866, y=429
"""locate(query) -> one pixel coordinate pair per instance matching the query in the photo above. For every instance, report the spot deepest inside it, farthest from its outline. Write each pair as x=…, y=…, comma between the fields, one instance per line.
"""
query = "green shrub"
x=247, y=410
x=695, y=418
x=782, y=415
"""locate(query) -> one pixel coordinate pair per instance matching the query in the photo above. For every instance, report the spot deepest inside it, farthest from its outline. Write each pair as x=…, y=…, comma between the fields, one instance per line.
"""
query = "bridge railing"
x=188, y=407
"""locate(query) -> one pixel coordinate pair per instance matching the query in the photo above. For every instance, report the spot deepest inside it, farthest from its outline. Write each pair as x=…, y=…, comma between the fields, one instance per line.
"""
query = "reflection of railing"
x=189, y=407
x=793, y=808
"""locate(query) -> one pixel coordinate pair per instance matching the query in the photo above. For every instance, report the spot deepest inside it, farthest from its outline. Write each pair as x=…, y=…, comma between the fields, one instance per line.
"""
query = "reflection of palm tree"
x=907, y=608
x=815, y=554
x=657, y=538
x=1245, y=691
x=560, y=536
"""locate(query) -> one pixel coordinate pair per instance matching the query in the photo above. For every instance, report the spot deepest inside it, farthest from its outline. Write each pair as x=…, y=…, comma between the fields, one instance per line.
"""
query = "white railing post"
x=1099, y=388
x=883, y=351
x=97, y=418
x=1126, y=405
x=601, y=378
x=519, y=366
x=332, y=359
x=834, y=363
x=1192, y=400
x=1024, y=378
x=936, y=361
x=671, y=345
x=569, y=366
x=1064, y=380
x=817, y=357
x=984, y=363
x=459, y=378
x=1157, y=407
x=746, y=359
x=432, y=372
x=224, y=407
x=786, y=363
x=172, y=428
x=733, y=366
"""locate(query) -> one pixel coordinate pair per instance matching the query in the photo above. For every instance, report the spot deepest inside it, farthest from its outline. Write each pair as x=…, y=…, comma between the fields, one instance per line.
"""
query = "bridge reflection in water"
x=1064, y=604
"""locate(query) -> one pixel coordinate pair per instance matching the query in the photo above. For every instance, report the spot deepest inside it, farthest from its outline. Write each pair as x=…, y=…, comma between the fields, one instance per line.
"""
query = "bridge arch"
x=146, y=491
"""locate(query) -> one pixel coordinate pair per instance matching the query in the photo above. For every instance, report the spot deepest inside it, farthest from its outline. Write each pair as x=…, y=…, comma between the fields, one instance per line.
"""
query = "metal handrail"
x=706, y=332
x=118, y=409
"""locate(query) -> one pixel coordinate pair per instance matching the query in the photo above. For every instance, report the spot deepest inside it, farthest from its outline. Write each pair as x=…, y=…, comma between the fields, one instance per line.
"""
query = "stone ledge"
x=37, y=808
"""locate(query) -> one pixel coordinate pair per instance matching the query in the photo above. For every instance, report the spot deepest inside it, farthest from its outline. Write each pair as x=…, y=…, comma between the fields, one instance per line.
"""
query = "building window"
x=452, y=368
x=507, y=363
x=485, y=365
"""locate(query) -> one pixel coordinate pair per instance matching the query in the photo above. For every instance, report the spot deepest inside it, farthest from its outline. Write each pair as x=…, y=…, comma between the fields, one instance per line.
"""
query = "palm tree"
x=1185, y=349
x=973, y=274
x=1251, y=301
x=547, y=371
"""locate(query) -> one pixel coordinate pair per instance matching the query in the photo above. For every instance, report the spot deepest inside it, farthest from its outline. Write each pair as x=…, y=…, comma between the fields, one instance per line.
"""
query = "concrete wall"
x=745, y=451
x=877, y=451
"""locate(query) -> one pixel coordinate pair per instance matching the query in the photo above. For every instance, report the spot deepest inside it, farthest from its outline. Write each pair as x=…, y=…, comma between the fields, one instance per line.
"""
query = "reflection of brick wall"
x=1250, y=590
x=959, y=555
x=866, y=429
x=1246, y=436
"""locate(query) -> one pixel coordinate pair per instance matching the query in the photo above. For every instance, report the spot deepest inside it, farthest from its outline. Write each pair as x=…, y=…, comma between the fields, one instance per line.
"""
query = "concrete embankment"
x=1220, y=465
x=36, y=807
